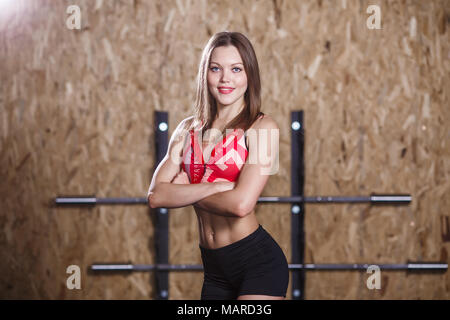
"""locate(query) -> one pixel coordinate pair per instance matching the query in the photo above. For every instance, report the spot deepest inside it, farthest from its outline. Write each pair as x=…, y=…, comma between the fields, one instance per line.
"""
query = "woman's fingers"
x=181, y=178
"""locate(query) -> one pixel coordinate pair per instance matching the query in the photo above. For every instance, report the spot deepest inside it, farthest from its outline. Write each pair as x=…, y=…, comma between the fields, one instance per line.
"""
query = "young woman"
x=222, y=176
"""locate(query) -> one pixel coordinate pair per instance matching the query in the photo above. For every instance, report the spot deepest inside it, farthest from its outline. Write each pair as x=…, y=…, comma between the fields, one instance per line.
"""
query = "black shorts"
x=253, y=265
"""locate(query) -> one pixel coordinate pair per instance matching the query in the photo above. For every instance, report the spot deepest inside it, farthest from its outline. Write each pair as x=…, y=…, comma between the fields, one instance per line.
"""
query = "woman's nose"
x=225, y=75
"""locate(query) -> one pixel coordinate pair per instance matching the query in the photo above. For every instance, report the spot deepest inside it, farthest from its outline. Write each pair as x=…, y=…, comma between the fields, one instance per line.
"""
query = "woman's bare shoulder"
x=265, y=122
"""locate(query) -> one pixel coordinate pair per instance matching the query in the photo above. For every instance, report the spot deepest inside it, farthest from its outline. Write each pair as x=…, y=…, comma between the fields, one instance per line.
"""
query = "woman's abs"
x=218, y=231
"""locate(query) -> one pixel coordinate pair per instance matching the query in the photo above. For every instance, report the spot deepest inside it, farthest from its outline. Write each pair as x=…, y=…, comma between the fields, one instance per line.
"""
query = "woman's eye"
x=235, y=69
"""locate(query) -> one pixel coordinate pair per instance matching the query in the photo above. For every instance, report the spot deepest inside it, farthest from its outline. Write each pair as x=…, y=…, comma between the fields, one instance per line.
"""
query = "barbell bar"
x=422, y=266
x=400, y=199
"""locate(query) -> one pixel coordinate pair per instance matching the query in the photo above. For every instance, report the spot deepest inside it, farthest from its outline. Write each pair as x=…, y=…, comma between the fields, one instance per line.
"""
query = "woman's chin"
x=226, y=102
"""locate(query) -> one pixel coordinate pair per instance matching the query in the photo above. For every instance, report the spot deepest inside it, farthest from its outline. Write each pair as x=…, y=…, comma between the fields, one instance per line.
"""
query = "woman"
x=223, y=178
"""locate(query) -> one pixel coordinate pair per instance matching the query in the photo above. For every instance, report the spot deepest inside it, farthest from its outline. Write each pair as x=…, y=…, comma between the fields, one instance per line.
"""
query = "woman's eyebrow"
x=231, y=64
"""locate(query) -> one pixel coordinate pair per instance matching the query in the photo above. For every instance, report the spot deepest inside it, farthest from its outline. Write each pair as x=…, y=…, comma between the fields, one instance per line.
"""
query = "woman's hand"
x=181, y=178
x=222, y=185
x=225, y=185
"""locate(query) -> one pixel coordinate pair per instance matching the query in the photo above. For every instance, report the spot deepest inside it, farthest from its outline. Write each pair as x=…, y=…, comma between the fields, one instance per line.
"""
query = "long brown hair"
x=205, y=108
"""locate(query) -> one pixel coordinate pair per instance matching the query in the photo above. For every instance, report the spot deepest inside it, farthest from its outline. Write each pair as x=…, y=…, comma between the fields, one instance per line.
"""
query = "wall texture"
x=76, y=118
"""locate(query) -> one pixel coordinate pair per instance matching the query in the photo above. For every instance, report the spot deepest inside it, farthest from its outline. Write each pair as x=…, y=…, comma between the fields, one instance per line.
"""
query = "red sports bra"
x=225, y=162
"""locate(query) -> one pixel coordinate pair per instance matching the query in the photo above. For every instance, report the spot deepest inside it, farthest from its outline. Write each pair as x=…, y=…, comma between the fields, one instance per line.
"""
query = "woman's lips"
x=223, y=90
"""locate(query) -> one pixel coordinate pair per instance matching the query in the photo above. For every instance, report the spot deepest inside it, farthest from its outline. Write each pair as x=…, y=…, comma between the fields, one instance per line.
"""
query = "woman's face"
x=226, y=70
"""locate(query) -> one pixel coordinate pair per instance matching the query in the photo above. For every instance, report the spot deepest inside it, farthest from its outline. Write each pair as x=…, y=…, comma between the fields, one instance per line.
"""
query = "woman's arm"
x=163, y=193
x=171, y=195
x=261, y=163
x=225, y=204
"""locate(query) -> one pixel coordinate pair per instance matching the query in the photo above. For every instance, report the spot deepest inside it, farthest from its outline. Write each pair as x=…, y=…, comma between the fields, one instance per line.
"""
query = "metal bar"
x=420, y=266
x=372, y=199
x=365, y=266
x=297, y=208
x=394, y=199
x=161, y=217
x=146, y=267
x=390, y=199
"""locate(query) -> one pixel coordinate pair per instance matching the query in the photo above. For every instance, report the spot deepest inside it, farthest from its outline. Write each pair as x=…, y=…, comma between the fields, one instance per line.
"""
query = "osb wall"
x=76, y=118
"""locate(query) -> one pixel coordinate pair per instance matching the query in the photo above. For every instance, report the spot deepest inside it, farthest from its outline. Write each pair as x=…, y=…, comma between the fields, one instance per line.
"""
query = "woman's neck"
x=227, y=113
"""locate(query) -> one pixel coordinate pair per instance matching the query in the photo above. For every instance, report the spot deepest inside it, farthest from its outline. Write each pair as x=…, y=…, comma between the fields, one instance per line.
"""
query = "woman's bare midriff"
x=218, y=231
